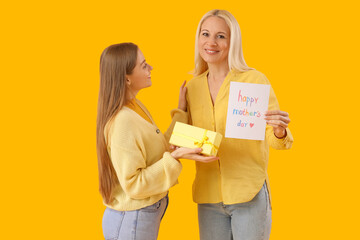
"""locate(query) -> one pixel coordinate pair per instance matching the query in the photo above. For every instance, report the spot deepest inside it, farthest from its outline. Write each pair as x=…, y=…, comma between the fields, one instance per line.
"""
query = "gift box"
x=185, y=135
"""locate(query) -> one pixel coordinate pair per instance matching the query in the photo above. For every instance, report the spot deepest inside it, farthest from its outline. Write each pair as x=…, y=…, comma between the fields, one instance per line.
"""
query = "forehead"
x=215, y=23
x=140, y=56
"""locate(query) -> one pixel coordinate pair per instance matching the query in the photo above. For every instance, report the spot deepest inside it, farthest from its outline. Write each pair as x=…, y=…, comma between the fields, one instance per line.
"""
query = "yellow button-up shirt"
x=241, y=170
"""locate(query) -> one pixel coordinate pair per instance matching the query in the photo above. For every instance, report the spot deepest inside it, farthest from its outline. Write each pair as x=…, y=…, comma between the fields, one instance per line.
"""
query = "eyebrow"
x=143, y=62
x=209, y=31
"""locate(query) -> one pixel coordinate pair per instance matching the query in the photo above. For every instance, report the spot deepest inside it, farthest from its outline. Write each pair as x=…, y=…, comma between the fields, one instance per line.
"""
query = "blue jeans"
x=141, y=224
x=242, y=221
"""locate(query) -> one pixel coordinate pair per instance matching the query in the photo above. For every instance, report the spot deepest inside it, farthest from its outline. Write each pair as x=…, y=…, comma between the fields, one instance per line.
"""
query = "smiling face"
x=214, y=40
x=141, y=75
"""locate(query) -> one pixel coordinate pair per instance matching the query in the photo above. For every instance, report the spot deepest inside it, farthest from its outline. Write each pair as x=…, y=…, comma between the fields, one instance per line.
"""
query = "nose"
x=150, y=67
x=213, y=41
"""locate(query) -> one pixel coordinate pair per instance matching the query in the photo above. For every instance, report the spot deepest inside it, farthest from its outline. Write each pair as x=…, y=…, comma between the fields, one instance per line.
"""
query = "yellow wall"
x=49, y=84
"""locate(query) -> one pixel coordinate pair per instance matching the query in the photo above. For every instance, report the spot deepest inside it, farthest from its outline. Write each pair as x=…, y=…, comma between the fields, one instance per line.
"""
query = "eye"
x=221, y=36
x=205, y=34
x=145, y=65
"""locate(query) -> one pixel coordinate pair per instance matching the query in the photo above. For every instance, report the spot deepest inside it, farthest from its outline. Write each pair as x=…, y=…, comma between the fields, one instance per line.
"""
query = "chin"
x=210, y=59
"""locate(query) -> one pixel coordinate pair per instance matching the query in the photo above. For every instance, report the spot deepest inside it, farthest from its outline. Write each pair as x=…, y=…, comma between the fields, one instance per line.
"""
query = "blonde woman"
x=233, y=192
x=136, y=169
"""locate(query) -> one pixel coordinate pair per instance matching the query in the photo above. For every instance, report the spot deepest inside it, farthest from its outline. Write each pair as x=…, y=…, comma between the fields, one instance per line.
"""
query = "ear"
x=128, y=81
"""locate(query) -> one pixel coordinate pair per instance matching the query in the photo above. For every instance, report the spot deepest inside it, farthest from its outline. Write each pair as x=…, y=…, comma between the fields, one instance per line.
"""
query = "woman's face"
x=214, y=40
x=141, y=75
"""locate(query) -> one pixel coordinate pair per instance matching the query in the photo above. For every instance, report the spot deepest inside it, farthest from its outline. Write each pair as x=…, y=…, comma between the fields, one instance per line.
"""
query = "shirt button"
x=157, y=131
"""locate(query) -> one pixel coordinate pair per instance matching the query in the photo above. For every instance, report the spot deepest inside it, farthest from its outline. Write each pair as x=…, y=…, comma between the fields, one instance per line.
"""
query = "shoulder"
x=120, y=128
x=123, y=123
x=197, y=81
x=124, y=116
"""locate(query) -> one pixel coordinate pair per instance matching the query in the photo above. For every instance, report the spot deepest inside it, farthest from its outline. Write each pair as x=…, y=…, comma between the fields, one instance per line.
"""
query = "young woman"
x=136, y=169
x=232, y=193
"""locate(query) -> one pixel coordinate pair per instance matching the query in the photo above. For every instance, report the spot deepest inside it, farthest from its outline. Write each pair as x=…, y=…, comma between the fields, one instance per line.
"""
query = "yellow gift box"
x=185, y=135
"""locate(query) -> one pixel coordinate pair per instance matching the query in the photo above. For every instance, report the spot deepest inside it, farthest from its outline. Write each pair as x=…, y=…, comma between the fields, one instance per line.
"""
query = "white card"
x=247, y=105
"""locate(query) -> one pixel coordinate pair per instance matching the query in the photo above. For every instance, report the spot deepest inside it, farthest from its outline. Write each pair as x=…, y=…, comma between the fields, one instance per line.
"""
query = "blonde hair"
x=236, y=59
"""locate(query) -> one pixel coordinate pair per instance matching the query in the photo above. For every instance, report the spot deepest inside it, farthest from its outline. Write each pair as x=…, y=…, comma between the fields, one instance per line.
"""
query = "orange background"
x=49, y=84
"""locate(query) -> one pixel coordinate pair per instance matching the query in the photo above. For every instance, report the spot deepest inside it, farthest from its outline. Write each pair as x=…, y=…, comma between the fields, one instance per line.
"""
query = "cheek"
x=226, y=48
x=141, y=74
x=201, y=45
x=200, y=42
x=144, y=75
x=135, y=78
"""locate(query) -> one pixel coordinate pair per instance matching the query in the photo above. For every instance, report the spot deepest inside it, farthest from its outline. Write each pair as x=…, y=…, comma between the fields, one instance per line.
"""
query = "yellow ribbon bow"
x=203, y=141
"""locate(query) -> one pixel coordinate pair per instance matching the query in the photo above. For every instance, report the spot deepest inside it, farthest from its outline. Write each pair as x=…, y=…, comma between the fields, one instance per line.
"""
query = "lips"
x=211, y=51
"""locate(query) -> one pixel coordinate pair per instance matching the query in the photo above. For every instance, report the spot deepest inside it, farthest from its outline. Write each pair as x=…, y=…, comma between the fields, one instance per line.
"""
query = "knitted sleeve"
x=177, y=115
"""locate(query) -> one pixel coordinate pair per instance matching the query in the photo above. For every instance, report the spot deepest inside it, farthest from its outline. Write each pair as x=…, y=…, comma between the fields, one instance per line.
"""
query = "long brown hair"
x=116, y=62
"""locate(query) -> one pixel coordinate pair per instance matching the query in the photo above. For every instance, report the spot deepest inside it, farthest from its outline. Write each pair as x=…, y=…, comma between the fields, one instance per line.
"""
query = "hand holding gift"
x=193, y=154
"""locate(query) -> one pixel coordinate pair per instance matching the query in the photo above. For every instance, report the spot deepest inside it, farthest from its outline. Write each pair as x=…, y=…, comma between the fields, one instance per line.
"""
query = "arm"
x=279, y=143
x=179, y=114
x=278, y=134
x=129, y=160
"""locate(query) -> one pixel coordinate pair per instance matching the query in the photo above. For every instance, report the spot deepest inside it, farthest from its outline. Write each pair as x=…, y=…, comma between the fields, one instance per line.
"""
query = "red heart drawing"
x=251, y=125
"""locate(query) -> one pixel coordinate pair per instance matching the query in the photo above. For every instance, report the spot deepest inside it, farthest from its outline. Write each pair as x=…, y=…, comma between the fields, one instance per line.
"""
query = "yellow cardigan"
x=139, y=154
x=133, y=105
x=242, y=168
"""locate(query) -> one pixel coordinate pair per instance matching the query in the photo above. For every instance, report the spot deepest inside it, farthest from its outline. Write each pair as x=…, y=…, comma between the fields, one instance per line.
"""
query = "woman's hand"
x=279, y=120
x=182, y=97
x=193, y=154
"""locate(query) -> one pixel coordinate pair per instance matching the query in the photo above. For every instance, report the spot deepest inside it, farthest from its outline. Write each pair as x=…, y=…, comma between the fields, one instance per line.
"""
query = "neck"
x=218, y=71
x=130, y=94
